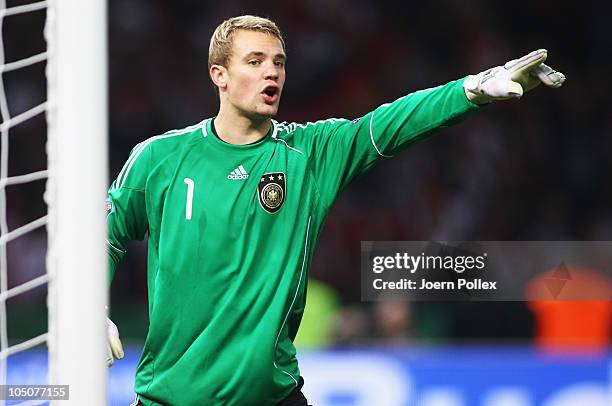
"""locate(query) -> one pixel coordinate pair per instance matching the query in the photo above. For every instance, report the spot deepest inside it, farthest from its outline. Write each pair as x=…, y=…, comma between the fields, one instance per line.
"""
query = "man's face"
x=255, y=74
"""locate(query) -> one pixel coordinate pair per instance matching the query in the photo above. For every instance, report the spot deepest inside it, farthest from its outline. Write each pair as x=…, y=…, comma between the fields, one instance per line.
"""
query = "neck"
x=240, y=130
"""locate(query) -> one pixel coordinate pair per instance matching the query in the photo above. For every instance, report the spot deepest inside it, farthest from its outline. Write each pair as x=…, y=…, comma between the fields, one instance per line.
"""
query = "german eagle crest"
x=272, y=190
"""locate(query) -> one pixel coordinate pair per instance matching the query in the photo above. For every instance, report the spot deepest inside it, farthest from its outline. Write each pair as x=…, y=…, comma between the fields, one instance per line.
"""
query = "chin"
x=267, y=113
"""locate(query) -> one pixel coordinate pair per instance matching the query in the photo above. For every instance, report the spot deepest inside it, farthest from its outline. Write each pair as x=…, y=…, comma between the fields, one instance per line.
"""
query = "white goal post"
x=76, y=110
x=76, y=192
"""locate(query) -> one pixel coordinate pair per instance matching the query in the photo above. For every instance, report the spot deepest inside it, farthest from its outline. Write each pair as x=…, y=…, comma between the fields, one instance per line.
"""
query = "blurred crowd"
x=534, y=169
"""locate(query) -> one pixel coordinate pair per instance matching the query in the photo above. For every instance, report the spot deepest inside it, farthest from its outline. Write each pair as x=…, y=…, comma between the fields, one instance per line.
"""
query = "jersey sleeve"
x=340, y=150
x=126, y=206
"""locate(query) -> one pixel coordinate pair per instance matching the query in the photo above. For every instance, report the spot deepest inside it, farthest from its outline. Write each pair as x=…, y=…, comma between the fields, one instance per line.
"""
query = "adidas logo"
x=238, y=174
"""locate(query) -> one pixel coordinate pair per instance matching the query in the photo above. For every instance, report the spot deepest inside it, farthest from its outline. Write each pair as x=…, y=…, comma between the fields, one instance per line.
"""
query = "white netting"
x=9, y=122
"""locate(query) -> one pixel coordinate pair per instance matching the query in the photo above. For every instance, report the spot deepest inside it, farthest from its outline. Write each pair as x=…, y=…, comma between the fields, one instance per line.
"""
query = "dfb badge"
x=272, y=190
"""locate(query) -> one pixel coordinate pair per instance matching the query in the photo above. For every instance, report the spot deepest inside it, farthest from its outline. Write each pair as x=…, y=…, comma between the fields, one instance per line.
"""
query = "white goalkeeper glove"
x=513, y=79
x=114, y=347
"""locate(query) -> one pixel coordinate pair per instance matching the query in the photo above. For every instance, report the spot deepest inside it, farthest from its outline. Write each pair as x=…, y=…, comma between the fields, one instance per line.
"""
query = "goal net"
x=53, y=158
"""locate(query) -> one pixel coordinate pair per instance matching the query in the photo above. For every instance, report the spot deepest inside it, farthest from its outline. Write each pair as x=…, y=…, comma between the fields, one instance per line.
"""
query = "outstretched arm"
x=340, y=149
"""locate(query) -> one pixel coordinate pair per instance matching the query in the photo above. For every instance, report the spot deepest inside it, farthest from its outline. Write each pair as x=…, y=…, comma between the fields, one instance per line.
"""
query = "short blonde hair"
x=220, y=48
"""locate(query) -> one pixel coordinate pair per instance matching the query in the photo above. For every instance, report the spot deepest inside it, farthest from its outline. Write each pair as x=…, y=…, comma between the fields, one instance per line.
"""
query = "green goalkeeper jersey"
x=232, y=229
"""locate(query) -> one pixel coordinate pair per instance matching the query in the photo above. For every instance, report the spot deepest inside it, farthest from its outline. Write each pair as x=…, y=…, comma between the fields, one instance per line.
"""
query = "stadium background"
x=536, y=169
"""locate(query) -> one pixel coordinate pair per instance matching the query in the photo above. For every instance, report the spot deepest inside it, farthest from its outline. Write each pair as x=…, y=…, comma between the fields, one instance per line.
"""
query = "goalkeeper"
x=233, y=207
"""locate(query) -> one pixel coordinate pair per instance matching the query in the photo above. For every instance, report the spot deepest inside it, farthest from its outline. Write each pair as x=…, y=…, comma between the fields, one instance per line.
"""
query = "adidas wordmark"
x=238, y=174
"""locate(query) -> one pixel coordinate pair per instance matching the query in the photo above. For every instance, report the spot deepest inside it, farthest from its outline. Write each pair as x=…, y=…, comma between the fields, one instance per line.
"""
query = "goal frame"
x=77, y=127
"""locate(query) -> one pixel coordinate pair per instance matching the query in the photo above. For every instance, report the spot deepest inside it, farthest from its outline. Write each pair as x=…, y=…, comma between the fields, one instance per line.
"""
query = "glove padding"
x=513, y=79
x=114, y=346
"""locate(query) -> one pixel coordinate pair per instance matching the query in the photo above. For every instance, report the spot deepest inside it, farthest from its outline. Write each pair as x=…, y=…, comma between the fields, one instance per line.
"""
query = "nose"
x=271, y=72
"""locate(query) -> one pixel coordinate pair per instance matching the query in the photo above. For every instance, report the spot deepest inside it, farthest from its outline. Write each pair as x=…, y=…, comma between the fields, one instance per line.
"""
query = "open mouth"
x=270, y=93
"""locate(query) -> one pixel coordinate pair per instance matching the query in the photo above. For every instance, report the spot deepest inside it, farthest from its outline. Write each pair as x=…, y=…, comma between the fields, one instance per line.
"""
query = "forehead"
x=246, y=41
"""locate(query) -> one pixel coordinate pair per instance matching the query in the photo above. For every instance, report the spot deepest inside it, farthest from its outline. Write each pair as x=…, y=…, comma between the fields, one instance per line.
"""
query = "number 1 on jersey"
x=189, y=202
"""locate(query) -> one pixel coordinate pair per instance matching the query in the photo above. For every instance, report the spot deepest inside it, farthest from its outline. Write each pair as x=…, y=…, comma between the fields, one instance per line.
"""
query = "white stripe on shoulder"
x=203, y=125
x=144, y=144
x=290, y=127
x=274, y=128
x=310, y=123
x=141, y=145
x=187, y=129
x=281, y=126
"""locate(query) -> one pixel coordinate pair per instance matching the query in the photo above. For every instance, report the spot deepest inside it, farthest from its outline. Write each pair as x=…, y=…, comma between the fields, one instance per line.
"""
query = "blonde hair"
x=220, y=48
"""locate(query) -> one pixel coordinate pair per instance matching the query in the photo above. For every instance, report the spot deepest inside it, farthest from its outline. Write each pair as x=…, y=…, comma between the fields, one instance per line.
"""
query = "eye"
x=254, y=62
x=280, y=64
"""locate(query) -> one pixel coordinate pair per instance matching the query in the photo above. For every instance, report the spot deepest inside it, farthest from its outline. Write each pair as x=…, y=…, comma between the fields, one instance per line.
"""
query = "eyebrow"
x=259, y=53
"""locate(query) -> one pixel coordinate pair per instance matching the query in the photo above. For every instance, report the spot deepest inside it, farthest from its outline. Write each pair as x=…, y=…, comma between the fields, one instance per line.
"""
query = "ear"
x=218, y=74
